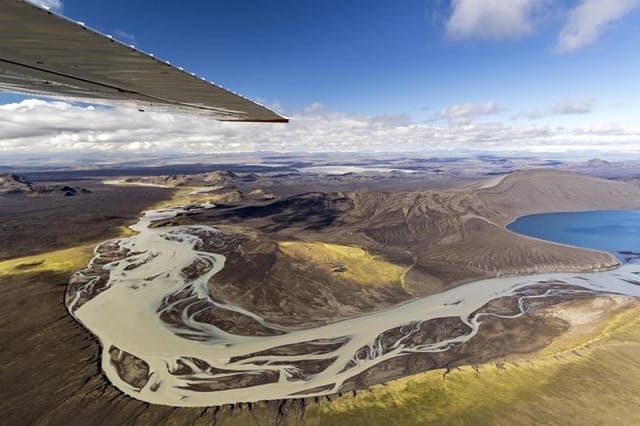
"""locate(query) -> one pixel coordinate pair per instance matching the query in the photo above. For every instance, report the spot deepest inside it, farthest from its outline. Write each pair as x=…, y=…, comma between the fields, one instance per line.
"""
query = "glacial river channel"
x=127, y=314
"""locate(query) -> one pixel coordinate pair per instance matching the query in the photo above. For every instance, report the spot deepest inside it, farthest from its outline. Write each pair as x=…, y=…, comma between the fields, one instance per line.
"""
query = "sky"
x=518, y=76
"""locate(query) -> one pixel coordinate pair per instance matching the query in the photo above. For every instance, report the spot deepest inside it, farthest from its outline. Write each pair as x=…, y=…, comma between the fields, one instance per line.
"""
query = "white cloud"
x=511, y=19
x=589, y=19
x=55, y=5
x=573, y=106
x=569, y=106
x=36, y=128
x=313, y=108
x=529, y=115
x=468, y=110
x=491, y=19
x=125, y=37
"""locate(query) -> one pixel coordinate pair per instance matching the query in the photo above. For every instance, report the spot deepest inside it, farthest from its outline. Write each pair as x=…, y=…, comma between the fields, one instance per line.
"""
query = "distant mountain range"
x=12, y=184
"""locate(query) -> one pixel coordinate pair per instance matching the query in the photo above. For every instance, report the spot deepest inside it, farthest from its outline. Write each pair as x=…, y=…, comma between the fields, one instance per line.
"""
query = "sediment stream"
x=146, y=298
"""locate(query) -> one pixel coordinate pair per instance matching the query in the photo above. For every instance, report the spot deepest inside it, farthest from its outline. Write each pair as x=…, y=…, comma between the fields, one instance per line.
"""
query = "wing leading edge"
x=42, y=53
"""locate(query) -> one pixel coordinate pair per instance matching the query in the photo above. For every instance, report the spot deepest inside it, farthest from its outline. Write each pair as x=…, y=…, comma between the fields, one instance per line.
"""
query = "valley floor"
x=582, y=367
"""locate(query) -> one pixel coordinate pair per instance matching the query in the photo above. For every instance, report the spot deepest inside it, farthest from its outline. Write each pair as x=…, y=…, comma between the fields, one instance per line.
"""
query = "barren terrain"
x=319, y=246
x=433, y=239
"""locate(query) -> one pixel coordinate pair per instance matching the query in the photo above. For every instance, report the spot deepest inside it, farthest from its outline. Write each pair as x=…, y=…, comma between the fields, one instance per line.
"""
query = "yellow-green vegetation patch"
x=70, y=259
x=185, y=196
x=126, y=231
x=594, y=384
x=349, y=262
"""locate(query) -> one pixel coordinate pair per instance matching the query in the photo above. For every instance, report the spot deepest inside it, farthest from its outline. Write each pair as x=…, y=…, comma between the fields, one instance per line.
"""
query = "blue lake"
x=615, y=231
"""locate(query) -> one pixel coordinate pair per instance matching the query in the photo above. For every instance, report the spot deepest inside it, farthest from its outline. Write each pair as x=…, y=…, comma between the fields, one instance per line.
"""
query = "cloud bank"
x=37, y=127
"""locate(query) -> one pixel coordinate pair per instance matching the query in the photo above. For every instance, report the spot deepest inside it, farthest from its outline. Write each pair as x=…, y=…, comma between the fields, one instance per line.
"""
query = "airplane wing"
x=42, y=53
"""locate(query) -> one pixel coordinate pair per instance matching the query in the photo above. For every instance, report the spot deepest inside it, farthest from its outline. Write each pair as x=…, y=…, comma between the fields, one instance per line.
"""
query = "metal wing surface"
x=42, y=53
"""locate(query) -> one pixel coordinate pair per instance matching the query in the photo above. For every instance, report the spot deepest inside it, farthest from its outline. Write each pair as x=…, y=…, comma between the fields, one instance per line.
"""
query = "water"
x=128, y=314
x=614, y=231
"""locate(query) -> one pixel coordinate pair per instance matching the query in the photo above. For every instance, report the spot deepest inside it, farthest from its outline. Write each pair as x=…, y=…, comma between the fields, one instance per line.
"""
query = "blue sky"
x=566, y=64
x=371, y=57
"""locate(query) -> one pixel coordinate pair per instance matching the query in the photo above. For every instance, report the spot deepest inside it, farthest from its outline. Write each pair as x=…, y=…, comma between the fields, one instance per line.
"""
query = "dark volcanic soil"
x=32, y=224
x=50, y=372
x=49, y=364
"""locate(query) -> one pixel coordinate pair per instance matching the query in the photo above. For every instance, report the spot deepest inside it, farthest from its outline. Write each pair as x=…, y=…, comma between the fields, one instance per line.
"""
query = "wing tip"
x=268, y=120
